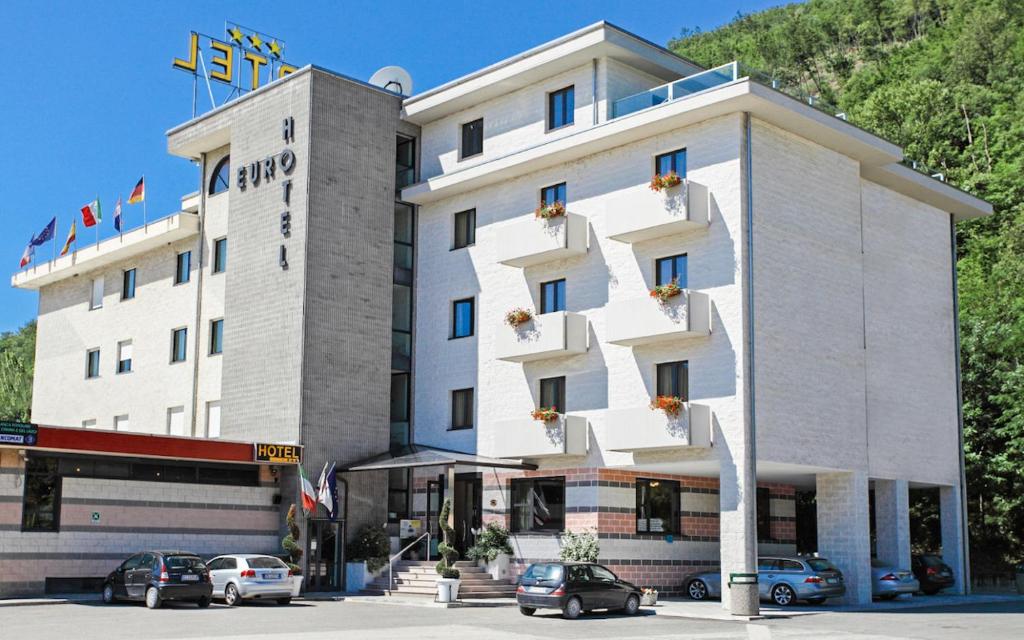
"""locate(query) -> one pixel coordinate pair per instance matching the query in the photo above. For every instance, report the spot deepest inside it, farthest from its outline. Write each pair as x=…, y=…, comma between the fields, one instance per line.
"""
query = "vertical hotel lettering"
x=264, y=171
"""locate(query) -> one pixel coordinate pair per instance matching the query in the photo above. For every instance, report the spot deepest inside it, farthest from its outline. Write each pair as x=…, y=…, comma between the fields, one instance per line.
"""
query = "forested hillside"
x=943, y=78
x=17, y=356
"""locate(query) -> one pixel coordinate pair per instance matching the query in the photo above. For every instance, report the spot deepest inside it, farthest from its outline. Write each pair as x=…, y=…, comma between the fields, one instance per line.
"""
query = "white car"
x=250, y=577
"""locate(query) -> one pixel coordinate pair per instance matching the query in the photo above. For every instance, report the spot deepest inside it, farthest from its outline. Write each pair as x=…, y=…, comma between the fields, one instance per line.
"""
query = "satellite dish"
x=395, y=79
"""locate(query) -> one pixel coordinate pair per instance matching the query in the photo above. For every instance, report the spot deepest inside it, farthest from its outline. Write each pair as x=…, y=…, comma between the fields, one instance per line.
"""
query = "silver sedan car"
x=887, y=581
x=781, y=581
x=249, y=576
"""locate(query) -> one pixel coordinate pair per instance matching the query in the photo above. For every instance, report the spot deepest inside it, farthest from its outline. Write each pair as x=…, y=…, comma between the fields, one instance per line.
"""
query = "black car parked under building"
x=156, y=576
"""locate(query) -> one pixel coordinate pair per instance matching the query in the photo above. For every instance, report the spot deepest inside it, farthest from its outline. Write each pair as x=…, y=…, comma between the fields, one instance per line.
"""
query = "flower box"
x=649, y=597
x=669, y=404
x=545, y=414
x=517, y=317
x=548, y=211
x=665, y=291
x=660, y=182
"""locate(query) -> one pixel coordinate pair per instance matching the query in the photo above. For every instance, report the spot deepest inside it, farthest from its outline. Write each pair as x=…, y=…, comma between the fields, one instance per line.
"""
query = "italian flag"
x=308, y=495
x=91, y=213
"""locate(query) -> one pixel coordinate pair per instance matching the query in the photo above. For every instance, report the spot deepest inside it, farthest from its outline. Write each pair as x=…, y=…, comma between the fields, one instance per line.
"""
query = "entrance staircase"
x=418, y=577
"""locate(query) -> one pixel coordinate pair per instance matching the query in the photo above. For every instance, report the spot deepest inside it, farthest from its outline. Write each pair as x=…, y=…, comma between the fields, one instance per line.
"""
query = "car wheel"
x=203, y=602
x=888, y=596
x=572, y=609
x=816, y=601
x=284, y=601
x=527, y=611
x=930, y=592
x=108, y=593
x=231, y=597
x=632, y=605
x=153, y=598
x=783, y=595
x=697, y=590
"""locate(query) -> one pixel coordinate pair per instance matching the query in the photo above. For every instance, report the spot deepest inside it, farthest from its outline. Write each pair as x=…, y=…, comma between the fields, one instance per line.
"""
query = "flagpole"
x=97, y=225
x=55, y=227
x=145, y=219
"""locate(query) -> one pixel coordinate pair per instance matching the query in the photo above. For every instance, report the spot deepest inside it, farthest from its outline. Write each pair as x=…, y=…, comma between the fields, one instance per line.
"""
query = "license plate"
x=832, y=580
x=536, y=590
x=271, y=576
x=189, y=578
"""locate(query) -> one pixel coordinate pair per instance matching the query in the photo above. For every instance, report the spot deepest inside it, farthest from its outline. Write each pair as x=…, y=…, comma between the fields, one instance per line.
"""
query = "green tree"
x=17, y=359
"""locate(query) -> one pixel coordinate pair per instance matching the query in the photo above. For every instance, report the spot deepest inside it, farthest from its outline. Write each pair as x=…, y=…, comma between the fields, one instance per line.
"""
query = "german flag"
x=139, y=192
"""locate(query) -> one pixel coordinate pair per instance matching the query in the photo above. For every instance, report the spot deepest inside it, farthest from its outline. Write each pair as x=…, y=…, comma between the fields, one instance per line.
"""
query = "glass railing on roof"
x=674, y=90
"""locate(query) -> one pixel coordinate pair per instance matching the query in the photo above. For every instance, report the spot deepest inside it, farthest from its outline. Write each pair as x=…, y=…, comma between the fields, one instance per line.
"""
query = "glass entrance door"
x=324, y=550
x=468, y=508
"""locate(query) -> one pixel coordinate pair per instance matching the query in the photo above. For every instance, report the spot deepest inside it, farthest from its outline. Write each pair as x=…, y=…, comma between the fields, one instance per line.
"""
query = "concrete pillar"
x=951, y=516
x=892, y=522
x=844, y=530
x=737, y=494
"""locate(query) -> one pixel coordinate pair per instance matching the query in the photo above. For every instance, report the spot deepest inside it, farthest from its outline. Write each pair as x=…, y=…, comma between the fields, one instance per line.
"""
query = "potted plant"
x=648, y=597
x=368, y=554
x=660, y=182
x=545, y=414
x=517, y=317
x=548, y=211
x=671, y=405
x=579, y=547
x=663, y=292
x=290, y=544
x=492, y=550
x=448, y=583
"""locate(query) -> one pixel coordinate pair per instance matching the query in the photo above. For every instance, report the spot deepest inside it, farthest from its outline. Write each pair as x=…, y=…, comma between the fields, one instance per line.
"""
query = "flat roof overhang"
x=601, y=39
x=743, y=95
x=417, y=455
x=138, y=445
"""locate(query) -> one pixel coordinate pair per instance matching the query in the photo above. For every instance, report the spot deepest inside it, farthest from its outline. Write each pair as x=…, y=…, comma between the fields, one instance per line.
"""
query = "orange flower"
x=667, y=181
x=671, y=405
x=518, y=316
x=545, y=414
x=548, y=211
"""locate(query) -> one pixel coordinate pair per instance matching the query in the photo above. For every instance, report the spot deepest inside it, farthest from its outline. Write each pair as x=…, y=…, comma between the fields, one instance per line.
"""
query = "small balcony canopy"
x=418, y=455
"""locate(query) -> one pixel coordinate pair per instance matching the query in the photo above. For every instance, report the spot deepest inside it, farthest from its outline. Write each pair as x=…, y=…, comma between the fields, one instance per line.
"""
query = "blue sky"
x=91, y=90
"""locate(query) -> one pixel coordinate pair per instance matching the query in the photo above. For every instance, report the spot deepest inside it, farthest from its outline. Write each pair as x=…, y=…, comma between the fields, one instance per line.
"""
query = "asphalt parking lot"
x=358, y=620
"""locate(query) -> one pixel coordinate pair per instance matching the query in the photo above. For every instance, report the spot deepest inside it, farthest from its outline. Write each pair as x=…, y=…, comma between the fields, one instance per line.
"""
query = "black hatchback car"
x=574, y=587
x=933, y=574
x=156, y=576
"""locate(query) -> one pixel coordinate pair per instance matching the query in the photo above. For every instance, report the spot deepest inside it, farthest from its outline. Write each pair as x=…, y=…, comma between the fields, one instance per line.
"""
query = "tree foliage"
x=944, y=79
x=17, y=359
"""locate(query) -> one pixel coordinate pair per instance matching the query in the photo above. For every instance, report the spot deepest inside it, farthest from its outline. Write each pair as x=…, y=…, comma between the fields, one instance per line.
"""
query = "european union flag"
x=47, y=234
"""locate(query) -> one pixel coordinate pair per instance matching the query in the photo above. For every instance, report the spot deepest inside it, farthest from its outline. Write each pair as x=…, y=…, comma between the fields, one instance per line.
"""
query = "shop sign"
x=277, y=453
x=20, y=433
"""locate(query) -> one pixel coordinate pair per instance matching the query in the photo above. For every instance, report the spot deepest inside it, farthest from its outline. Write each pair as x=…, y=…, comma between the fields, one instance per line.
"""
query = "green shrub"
x=290, y=543
x=446, y=566
x=371, y=545
x=579, y=547
x=493, y=540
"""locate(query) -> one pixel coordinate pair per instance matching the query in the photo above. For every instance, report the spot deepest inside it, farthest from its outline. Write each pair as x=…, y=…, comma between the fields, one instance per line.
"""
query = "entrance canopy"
x=418, y=455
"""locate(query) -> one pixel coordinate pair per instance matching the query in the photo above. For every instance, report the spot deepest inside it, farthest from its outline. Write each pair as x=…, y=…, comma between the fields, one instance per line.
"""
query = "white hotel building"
x=815, y=333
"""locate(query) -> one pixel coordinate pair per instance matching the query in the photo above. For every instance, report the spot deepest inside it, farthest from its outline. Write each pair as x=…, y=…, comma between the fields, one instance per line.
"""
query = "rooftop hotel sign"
x=245, y=60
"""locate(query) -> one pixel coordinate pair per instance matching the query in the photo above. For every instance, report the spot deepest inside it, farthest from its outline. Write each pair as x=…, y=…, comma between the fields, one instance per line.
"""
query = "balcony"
x=641, y=214
x=645, y=320
x=683, y=88
x=528, y=438
x=550, y=335
x=646, y=429
x=530, y=241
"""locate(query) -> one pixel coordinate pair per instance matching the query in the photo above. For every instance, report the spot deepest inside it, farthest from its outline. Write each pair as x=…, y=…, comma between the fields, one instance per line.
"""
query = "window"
x=122, y=423
x=399, y=409
x=405, y=162
x=673, y=161
x=552, y=393
x=657, y=506
x=128, y=284
x=89, y=424
x=673, y=379
x=92, y=363
x=213, y=419
x=552, y=296
x=182, y=270
x=398, y=494
x=560, y=107
x=221, y=177
x=764, y=514
x=216, y=336
x=473, y=138
x=668, y=269
x=179, y=342
x=462, y=409
x=465, y=229
x=96, y=294
x=600, y=574
x=551, y=195
x=124, y=356
x=462, y=318
x=220, y=255
x=176, y=421
x=40, y=506
x=538, y=504
x=404, y=232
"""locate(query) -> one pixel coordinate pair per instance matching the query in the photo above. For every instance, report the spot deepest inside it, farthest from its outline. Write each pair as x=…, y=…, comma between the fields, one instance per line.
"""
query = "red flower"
x=671, y=405
x=545, y=414
x=667, y=181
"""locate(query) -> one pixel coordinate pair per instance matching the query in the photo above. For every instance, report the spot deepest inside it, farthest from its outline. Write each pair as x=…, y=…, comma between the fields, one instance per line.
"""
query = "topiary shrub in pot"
x=448, y=583
x=290, y=544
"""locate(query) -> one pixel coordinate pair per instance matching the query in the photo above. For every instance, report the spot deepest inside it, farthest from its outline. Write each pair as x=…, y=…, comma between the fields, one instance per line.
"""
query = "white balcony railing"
x=528, y=438
x=639, y=214
x=549, y=335
x=646, y=320
x=530, y=240
x=646, y=429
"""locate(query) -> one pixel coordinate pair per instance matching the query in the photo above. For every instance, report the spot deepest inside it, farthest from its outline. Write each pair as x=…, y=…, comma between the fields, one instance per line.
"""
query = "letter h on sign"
x=288, y=129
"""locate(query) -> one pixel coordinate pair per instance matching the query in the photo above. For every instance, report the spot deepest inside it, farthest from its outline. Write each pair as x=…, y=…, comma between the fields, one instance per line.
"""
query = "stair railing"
x=391, y=560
